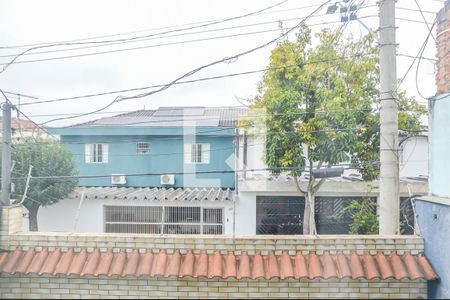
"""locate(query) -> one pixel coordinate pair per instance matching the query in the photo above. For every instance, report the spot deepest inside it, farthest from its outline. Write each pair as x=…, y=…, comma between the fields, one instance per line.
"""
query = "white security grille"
x=167, y=220
x=142, y=148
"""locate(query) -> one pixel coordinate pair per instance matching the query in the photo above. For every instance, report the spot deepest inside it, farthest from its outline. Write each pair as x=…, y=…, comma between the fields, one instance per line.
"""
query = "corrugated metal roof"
x=299, y=265
x=286, y=177
x=154, y=194
x=176, y=116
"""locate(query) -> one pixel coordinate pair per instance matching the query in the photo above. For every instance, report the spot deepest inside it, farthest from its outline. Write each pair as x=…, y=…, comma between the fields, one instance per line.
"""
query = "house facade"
x=163, y=171
x=193, y=146
x=123, y=160
x=433, y=210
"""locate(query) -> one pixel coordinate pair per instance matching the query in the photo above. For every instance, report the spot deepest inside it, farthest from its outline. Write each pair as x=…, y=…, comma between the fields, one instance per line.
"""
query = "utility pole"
x=389, y=203
x=6, y=154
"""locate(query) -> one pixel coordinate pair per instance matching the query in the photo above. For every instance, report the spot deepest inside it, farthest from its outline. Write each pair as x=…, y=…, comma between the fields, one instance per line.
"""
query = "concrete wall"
x=434, y=224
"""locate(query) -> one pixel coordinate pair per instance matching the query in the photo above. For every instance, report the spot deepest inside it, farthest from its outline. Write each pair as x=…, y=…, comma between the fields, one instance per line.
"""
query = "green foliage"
x=47, y=159
x=323, y=93
x=365, y=219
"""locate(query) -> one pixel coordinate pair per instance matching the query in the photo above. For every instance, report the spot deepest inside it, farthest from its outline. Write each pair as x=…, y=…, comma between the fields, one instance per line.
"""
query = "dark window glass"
x=331, y=214
x=279, y=215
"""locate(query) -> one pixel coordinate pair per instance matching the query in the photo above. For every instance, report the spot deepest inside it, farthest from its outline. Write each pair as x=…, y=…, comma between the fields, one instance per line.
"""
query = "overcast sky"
x=163, y=58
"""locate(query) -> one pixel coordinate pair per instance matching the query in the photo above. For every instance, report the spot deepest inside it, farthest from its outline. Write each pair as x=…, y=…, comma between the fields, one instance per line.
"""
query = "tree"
x=321, y=107
x=47, y=159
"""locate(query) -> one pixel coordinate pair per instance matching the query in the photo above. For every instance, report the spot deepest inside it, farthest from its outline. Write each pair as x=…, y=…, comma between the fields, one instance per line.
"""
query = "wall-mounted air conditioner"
x=118, y=179
x=168, y=179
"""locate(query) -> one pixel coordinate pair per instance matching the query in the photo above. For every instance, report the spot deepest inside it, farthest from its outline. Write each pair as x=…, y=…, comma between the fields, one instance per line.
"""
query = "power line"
x=165, y=36
x=192, y=72
x=132, y=38
x=419, y=53
x=159, y=45
x=177, y=83
x=424, y=19
x=152, y=29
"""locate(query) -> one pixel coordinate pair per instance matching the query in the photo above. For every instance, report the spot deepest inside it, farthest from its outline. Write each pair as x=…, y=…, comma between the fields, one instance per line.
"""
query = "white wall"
x=414, y=157
x=61, y=216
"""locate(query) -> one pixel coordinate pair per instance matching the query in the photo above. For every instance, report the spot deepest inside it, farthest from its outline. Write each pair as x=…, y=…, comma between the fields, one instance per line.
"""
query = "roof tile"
x=385, y=268
x=370, y=266
x=37, y=262
x=356, y=266
x=244, y=266
x=217, y=265
x=145, y=264
x=187, y=267
x=343, y=267
x=91, y=263
x=51, y=262
x=132, y=263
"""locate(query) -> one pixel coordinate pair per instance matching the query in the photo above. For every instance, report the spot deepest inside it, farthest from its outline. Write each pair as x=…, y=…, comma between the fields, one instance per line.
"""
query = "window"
x=142, y=148
x=96, y=153
x=167, y=220
x=279, y=215
x=196, y=153
x=333, y=216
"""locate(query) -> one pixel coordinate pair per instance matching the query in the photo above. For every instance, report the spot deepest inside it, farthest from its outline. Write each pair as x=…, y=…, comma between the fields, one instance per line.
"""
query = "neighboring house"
x=270, y=204
x=433, y=211
x=24, y=128
x=169, y=170
x=121, y=160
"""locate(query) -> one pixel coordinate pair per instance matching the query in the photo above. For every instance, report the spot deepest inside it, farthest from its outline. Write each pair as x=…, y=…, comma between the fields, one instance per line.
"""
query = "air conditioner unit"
x=118, y=179
x=168, y=179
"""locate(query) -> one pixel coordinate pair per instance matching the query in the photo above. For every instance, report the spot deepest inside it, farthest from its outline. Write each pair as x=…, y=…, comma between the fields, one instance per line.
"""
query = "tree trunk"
x=32, y=218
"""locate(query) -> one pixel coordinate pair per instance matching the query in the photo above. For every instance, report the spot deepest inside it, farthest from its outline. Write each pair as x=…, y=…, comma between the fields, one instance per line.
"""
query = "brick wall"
x=132, y=287
x=46, y=286
x=223, y=243
x=443, y=50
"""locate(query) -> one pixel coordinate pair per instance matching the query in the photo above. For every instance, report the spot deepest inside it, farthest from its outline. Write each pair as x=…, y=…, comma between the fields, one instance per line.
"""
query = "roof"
x=154, y=194
x=176, y=116
x=24, y=125
x=350, y=177
x=216, y=265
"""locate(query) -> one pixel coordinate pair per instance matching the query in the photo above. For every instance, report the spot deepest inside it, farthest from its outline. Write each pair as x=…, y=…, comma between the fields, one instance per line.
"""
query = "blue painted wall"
x=434, y=225
x=166, y=155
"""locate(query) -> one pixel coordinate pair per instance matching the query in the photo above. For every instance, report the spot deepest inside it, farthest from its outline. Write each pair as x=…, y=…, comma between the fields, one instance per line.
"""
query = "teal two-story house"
x=174, y=147
x=169, y=170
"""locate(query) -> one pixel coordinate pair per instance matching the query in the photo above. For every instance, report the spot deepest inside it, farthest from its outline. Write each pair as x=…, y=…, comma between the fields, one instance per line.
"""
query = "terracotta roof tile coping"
x=217, y=265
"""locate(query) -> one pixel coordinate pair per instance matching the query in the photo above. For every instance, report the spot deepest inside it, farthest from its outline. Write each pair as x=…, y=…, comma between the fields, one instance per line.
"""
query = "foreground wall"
x=433, y=217
x=30, y=280
x=131, y=287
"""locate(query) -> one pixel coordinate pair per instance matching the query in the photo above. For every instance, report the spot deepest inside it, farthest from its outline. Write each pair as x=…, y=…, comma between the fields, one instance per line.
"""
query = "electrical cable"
x=166, y=36
x=159, y=45
x=132, y=38
x=424, y=44
x=177, y=83
x=192, y=72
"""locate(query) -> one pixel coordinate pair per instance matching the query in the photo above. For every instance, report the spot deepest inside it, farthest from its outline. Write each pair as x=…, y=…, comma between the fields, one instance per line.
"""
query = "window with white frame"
x=196, y=153
x=163, y=219
x=142, y=148
x=96, y=153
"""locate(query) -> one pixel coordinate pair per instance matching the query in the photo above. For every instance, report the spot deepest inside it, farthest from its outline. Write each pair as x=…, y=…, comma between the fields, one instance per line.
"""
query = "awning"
x=154, y=194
